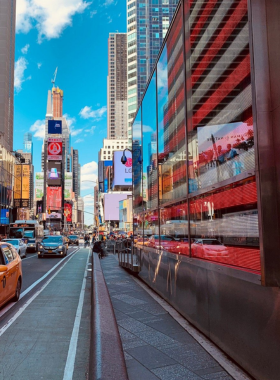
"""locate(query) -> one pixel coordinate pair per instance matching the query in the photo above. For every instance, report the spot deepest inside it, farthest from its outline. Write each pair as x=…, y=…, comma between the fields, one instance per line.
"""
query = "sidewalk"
x=155, y=345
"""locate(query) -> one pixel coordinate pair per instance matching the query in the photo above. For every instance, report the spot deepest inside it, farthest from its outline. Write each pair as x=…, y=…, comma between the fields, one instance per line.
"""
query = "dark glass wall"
x=207, y=203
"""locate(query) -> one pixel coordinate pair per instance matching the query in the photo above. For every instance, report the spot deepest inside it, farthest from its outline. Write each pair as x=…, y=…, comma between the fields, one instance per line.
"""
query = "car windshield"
x=211, y=242
x=52, y=239
x=31, y=241
x=13, y=242
x=28, y=234
x=73, y=237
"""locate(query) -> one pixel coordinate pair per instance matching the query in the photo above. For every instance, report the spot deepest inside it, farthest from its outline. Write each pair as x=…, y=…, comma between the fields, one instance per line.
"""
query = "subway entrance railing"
x=126, y=256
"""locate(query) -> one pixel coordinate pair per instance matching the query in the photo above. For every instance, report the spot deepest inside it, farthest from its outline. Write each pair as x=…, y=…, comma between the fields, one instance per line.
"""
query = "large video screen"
x=54, y=173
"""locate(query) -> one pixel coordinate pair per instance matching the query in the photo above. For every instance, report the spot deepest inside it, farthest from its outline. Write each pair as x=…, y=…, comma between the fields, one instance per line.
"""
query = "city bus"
x=26, y=229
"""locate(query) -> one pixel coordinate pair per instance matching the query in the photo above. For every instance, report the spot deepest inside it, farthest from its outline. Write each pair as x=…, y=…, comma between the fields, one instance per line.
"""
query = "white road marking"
x=208, y=346
x=28, y=302
x=70, y=363
x=11, y=304
x=30, y=257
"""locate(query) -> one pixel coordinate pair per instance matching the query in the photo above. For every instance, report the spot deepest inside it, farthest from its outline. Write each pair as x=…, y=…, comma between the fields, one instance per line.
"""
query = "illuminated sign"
x=54, y=127
x=54, y=149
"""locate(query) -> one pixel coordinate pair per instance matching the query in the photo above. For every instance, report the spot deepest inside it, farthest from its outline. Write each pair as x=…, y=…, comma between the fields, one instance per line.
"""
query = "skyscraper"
x=147, y=24
x=7, y=57
x=57, y=96
x=117, y=86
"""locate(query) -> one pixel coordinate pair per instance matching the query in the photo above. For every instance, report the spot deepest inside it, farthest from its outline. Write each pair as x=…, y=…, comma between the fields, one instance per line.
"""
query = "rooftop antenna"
x=54, y=77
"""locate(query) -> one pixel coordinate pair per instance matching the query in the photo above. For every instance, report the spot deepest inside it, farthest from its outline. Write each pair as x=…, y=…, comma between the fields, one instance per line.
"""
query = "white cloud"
x=92, y=13
x=79, y=141
x=20, y=67
x=24, y=50
x=39, y=65
x=38, y=129
x=88, y=201
x=76, y=132
x=88, y=113
x=89, y=174
x=108, y=2
x=90, y=130
x=50, y=17
x=70, y=122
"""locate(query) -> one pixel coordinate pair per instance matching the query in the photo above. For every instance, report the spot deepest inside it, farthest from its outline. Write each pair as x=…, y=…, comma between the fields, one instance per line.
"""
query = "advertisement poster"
x=4, y=216
x=54, y=215
x=68, y=212
x=67, y=185
x=54, y=127
x=23, y=214
x=54, y=173
x=122, y=173
x=54, y=149
x=39, y=185
x=54, y=195
x=17, y=186
x=25, y=191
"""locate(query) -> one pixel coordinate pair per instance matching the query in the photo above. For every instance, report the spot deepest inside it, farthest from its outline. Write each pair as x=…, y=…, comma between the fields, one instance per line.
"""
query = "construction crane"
x=54, y=77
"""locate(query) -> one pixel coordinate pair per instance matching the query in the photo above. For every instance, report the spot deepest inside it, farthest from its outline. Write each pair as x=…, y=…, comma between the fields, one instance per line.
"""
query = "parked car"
x=10, y=273
x=19, y=245
x=52, y=245
x=73, y=239
x=31, y=246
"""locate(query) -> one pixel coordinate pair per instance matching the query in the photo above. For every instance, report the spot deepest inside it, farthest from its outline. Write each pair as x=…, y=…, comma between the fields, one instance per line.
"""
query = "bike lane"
x=41, y=340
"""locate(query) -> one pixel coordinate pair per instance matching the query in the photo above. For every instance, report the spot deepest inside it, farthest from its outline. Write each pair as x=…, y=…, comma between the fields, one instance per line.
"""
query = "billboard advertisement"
x=39, y=185
x=54, y=173
x=17, y=186
x=68, y=212
x=111, y=205
x=25, y=190
x=68, y=178
x=54, y=195
x=54, y=149
x=54, y=215
x=4, y=216
x=54, y=127
x=122, y=173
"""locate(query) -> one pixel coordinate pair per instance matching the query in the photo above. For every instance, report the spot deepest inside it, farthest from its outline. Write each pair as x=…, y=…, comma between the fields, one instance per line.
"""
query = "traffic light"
x=49, y=210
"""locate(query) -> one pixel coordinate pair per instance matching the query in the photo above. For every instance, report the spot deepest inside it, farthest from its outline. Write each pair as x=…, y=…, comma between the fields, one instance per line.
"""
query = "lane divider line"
x=30, y=257
x=71, y=357
x=23, y=294
x=30, y=300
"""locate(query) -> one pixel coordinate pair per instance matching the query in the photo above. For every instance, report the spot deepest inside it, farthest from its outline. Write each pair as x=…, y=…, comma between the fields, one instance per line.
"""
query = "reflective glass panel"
x=171, y=117
x=224, y=225
x=136, y=163
x=220, y=123
x=149, y=129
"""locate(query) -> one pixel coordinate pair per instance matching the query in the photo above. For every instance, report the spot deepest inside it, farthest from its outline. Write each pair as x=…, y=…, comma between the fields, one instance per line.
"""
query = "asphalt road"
x=45, y=335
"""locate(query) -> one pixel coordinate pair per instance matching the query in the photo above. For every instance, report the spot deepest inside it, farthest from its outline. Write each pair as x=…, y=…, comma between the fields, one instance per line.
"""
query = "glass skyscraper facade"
x=147, y=24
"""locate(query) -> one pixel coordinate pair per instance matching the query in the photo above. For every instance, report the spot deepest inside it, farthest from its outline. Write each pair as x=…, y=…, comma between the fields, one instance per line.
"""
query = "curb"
x=106, y=354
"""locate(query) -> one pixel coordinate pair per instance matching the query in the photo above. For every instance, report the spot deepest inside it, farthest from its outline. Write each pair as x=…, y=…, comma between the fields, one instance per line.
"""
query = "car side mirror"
x=3, y=268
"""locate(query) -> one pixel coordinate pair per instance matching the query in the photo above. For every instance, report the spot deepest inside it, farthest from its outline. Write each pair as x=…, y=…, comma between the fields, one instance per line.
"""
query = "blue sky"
x=73, y=36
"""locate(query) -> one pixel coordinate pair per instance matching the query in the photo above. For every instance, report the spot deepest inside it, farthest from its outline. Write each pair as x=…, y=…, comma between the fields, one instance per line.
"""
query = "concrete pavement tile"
x=132, y=325
x=125, y=335
x=137, y=371
x=208, y=371
x=133, y=343
x=155, y=338
x=127, y=357
x=175, y=372
x=217, y=376
x=154, y=309
x=128, y=299
x=150, y=357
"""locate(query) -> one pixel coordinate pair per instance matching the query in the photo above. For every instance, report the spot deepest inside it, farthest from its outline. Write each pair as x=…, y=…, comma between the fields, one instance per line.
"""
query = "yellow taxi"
x=10, y=274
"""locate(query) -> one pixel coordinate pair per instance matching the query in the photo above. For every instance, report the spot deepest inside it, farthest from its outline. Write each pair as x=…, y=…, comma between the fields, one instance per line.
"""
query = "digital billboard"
x=54, y=127
x=5, y=216
x=54, y=173
x=25, y=188
x=111, y=205
x=54, y=149
x=68, y=212
x=39, y=185
x=68, y=178
x=54, y=195
x=17, y=185
x=122, y=173
x=54, y=215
